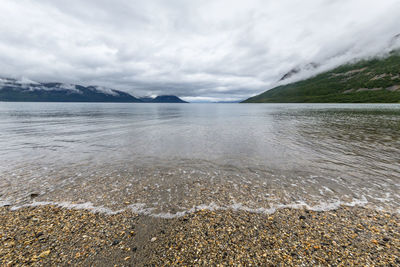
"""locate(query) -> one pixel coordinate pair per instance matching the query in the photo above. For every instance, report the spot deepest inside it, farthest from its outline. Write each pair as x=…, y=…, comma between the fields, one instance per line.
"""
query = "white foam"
x=357, y=202
x=386, y=198
x=4, y=203
x=241, y=207
x=322, y=206
x=142, y=209
x=168, y=215
x=326, y=206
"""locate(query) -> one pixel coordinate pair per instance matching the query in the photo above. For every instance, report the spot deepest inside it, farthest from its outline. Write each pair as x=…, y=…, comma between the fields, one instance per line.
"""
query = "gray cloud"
x=200, y=50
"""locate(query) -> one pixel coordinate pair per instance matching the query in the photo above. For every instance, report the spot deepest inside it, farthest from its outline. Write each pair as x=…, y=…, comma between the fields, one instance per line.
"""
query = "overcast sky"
x=198, y=50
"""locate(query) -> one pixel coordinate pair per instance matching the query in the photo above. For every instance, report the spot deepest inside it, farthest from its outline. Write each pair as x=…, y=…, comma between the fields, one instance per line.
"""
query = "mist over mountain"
x=308, y=70
x=376, y=80
x=296, y=70
x=26, y=90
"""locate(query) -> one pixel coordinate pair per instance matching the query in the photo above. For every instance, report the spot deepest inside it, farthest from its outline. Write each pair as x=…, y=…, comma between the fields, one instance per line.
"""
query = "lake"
x=168, y=159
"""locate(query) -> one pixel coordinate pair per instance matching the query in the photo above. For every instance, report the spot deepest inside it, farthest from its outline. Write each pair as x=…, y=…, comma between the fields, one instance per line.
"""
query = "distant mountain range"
x=375, y=80
x=162, y=99
x=30, y=91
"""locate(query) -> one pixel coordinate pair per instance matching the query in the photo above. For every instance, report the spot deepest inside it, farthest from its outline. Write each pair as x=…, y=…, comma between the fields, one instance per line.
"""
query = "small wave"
x=142, y=209
x=4, y=203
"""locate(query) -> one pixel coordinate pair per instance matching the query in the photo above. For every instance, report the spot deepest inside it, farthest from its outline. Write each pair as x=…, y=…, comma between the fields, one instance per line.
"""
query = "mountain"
x=29, y=91
x=375, y=80
x=146, y=99
x=162, y=99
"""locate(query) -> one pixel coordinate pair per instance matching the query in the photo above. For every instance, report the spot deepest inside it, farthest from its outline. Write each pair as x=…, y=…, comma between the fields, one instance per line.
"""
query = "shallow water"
x=166, y=159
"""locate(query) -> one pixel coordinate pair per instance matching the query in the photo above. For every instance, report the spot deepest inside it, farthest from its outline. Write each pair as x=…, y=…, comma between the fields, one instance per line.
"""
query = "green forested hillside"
x=368, y=81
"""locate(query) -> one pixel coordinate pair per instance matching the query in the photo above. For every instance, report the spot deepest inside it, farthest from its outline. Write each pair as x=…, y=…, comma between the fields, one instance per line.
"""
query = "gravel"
x=50, y=235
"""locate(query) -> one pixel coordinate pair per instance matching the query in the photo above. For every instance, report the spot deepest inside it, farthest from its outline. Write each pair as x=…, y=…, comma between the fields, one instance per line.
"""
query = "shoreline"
x=143, y=210
x=53, y=235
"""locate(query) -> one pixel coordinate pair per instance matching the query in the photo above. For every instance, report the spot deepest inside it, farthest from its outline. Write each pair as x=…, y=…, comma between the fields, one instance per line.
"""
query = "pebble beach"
x=50, y=235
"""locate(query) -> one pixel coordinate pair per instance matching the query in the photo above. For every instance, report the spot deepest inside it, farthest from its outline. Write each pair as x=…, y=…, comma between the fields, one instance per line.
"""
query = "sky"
x=200, y=50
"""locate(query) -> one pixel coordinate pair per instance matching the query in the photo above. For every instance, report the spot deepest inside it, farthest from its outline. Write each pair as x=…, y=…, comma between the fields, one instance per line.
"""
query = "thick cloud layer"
x=204, y=50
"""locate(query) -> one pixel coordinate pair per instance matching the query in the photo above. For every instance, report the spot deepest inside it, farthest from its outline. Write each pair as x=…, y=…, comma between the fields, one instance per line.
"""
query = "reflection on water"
x=168, y=158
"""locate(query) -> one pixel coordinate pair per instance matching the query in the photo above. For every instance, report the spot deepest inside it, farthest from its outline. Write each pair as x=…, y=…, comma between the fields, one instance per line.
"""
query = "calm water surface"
x=167, y=159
